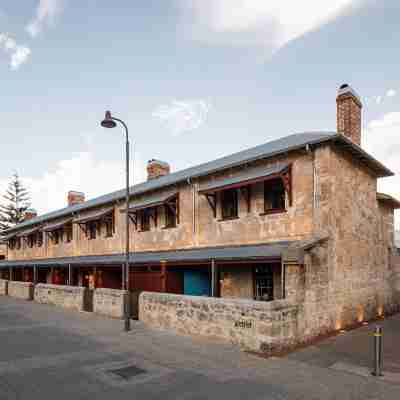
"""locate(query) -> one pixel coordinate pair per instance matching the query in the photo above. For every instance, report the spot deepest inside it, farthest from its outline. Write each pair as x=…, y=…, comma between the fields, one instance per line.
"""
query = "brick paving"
x=50, y=353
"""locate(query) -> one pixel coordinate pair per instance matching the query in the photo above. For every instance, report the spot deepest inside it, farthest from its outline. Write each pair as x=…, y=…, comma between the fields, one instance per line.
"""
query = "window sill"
x=276, y=211
x=228, y=219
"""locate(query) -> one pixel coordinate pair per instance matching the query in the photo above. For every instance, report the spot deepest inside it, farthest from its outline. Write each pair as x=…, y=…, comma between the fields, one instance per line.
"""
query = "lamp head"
x=108, y=122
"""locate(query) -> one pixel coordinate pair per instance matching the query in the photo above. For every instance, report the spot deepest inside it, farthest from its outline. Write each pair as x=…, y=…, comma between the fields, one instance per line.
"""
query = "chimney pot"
x=75, y=198
x=156, y=169
x=348, y=117
x=30, y=213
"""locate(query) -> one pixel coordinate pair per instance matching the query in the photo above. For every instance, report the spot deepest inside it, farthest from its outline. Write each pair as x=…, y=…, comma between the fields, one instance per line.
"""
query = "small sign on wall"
x=244, y=324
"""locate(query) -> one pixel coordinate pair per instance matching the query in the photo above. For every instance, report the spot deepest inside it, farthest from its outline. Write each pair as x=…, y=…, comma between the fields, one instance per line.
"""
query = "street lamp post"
x=111, y=122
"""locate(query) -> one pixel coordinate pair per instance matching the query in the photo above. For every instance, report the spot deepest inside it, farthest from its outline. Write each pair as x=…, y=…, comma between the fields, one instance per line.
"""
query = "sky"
x=193, y=79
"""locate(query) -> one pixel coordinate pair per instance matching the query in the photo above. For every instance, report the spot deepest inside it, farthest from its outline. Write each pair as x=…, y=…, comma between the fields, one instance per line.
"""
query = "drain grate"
x=128, y=372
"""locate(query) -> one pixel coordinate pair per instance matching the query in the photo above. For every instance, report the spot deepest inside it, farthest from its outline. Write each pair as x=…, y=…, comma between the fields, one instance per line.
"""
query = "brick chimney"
x=30, y=213
x=75, y=198
x=349, y=113
x=157, y=168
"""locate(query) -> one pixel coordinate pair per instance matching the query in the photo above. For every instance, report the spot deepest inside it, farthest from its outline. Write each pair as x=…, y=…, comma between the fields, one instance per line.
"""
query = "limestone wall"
x=109, y=302
x=69, y=297
x=21, y=290
x=3, y=287
x=349, y=280
x=258, y=326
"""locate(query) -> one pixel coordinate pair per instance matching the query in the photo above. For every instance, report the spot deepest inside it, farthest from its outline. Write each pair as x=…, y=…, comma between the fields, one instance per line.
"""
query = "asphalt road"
x=49, y=353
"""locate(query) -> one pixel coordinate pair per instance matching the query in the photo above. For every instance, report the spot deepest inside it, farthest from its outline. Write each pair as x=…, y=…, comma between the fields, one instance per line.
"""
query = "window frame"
x=235, y=204
x=171, y=220
x=39, y=239
x=69, y=233
x=267, y=191
x=57, y=236
x=91, y=230
x=109, y=224
x=145, y=225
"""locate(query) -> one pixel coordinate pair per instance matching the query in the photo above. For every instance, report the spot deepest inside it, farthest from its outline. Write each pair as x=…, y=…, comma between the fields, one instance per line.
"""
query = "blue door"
x=196, y=283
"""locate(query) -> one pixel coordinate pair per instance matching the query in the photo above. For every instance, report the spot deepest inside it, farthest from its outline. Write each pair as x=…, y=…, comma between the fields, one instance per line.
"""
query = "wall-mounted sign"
x=244, y=323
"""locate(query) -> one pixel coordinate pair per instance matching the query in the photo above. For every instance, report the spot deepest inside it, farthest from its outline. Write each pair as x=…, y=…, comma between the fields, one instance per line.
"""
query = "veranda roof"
x=247, y=177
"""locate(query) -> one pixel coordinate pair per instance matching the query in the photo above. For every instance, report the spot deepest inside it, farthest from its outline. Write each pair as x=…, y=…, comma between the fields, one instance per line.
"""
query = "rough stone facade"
x=21, y=290
x=69, y=297
x=109, y=302
x=3, y=287
x=197, y=226
x=254, y=325
x=350, y=276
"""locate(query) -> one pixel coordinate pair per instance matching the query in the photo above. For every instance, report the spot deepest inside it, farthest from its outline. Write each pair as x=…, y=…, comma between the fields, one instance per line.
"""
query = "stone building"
x=295, y=224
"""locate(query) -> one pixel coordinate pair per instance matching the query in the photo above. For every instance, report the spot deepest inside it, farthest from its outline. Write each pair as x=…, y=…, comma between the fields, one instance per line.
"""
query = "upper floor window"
x=31, y=239
x=68, y=233
x=91, y=230
x=229, y=204
x=12, y=243
x=57, y=236
x=39, y=240
x=145, y=220
x=110, y=225
x=170, y=217
x=274, y=196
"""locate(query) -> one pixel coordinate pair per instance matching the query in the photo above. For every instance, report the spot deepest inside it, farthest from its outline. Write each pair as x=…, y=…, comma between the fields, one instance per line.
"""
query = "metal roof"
x=231, y=253
x=29, y=232
x=94, y=216
x=267, y=150
x=153, y=201
x=245, y=177
x=58, y=225
x=386, y=198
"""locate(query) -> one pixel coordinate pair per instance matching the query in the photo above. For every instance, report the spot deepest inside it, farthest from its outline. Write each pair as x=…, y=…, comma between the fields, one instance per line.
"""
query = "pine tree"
x=16, y=202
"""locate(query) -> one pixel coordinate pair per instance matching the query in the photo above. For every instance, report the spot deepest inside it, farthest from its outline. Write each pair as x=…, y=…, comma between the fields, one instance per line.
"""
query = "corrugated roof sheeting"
x=57, y=225
x=100, y=214
x=233, y=253
x=248, y=175
x=152, y=201
x=270, y=149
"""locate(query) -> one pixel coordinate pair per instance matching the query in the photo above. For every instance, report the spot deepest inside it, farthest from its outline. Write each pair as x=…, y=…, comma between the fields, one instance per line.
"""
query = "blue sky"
x=194, y=80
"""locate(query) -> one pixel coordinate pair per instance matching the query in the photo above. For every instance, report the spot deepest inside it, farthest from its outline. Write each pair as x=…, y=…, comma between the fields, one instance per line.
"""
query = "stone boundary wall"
x=3, y=287
x=254, y=325
x=20, y=290
x=69, y=297
x=109, y=302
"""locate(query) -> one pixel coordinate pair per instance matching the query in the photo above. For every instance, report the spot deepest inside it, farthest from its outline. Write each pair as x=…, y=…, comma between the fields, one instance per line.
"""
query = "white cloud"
x=82, y=172
x=382, y=139
x=378, y=99
x=18, y=54
x=46, y=11
x=268, y=23
x=183, y=116
x=391, y=93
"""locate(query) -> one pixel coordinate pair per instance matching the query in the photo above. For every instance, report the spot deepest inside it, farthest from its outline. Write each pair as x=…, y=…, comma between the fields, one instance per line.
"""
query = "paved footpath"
x=49, y=353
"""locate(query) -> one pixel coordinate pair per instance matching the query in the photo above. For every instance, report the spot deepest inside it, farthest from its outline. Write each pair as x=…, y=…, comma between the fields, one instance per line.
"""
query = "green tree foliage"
x=16, y=201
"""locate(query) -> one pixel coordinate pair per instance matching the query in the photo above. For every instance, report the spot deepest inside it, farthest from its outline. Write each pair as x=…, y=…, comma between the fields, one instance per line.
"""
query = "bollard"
x=377, y=351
